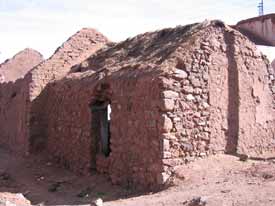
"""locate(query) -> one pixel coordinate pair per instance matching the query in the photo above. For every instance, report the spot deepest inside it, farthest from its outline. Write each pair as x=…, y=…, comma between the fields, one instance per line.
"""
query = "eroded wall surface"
x=175, y=94
x=260, y=29
x=19, y=65
x=186, y=110
x=13, y=92
x=135, y=157
x=13, y=115
x=241, y=98
x=195, y=95
x=75, y=50
x=21, y=121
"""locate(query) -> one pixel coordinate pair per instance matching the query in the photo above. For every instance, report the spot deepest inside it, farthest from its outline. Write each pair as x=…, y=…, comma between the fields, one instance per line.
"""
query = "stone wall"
x=217, y=98
x=13, y=92
x=75, y=50
x=134, y=127
x=175, y=94
x=242, y=117
x=21, y=118
x=185, y=96
x=19, y=65
x=208, y=91
x=12, y=115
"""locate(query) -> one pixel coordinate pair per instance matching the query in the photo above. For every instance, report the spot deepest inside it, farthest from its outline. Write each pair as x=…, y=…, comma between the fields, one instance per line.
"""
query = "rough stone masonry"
x=19, y=127
x=172, y=96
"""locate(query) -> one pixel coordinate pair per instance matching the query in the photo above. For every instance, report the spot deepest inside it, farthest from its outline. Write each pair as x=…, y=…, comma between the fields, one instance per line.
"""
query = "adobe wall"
x=76, y=49
x=219, y=99
x=159, y=120
x=13, y=115
x=242, y=116
x=262, y=27
x=209, y=96
x=208, y=93
x=135, y=124
x=22, y=124
x=20, y=64
x=13, y=94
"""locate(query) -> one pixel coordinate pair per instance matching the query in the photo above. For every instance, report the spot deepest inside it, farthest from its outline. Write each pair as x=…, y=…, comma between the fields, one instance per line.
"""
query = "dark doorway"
x=101, y=127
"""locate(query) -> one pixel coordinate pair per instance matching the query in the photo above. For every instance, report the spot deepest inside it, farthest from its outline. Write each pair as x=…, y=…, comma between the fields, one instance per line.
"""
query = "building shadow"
x=233, y=95
x=41, y=180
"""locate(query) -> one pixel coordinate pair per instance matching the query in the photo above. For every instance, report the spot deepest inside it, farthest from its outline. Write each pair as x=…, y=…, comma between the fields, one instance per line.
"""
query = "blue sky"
x=45, y=24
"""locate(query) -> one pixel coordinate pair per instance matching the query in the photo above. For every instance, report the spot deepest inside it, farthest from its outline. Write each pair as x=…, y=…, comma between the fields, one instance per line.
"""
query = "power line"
x=261, y=8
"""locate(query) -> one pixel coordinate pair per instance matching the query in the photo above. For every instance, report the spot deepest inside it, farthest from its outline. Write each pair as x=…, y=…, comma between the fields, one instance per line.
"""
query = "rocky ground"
x=220, y=180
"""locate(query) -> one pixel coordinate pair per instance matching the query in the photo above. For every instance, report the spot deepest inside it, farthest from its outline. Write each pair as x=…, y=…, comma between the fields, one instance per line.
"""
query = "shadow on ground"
x=42, y=181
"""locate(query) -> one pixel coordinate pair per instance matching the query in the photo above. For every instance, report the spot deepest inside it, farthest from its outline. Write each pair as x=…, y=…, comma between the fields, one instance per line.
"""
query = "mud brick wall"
x=135, y=157
x=176, y=95
x=136, y=139
x=22, y=120
x=242, y=115
x=13, y=95
x=19, y=65
x=12, y=115
x=259, y=29
x=217, y=98
x=76, y=49
x=208, y=93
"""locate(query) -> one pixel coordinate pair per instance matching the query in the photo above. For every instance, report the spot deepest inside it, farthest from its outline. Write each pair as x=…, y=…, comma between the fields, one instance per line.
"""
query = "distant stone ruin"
x=20, y=108
x=12, y=96
x=17, y=67
x=137, y=109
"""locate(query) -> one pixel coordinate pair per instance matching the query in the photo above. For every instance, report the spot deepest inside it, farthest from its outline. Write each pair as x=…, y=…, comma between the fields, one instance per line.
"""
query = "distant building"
x=260, y=30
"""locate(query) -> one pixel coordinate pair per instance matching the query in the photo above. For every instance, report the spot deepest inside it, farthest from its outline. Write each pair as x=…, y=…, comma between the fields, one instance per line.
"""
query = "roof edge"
x=257, y=18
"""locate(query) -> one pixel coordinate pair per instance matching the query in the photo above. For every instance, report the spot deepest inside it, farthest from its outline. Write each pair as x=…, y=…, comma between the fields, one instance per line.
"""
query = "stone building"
x=137, y=109
x=20, y=108
x=12, y=72
x=16, y=67
x=260, y=29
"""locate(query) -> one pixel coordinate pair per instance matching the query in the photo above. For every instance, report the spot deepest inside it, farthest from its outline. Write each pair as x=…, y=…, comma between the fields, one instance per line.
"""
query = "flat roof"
x=258, y=18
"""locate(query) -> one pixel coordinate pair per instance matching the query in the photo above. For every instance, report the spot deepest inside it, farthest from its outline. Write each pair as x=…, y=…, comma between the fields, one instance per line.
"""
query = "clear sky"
x=45, y=24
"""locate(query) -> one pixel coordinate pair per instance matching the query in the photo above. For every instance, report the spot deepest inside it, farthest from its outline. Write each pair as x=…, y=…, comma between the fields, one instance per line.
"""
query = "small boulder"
x=97, y=202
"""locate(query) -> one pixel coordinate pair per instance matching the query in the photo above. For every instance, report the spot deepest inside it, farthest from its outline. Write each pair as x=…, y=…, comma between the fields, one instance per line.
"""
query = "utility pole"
x=261, y=8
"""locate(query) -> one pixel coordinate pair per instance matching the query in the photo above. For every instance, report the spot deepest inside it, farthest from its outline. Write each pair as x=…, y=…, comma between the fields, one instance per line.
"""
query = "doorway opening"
x=101, y=119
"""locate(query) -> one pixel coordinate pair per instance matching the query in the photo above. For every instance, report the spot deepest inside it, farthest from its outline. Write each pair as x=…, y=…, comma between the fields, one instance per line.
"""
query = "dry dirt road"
x=220, y=180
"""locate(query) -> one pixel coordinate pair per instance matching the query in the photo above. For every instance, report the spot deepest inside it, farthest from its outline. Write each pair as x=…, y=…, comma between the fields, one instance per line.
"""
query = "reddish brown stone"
x=16, y=67
x=175, y=95
x=21, y=119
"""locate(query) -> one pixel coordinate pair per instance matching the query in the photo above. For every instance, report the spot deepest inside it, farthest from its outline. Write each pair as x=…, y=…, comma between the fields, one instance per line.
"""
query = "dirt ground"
x=220, y=180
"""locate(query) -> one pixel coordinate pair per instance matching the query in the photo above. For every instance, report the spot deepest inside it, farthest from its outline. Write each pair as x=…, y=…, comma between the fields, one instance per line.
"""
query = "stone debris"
x=85, y=192
x=267, y=176
x=54, y=187
x=243, y=157
x=4, y=176
x=97, y=202
x=10, y=199
x=196, y=201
